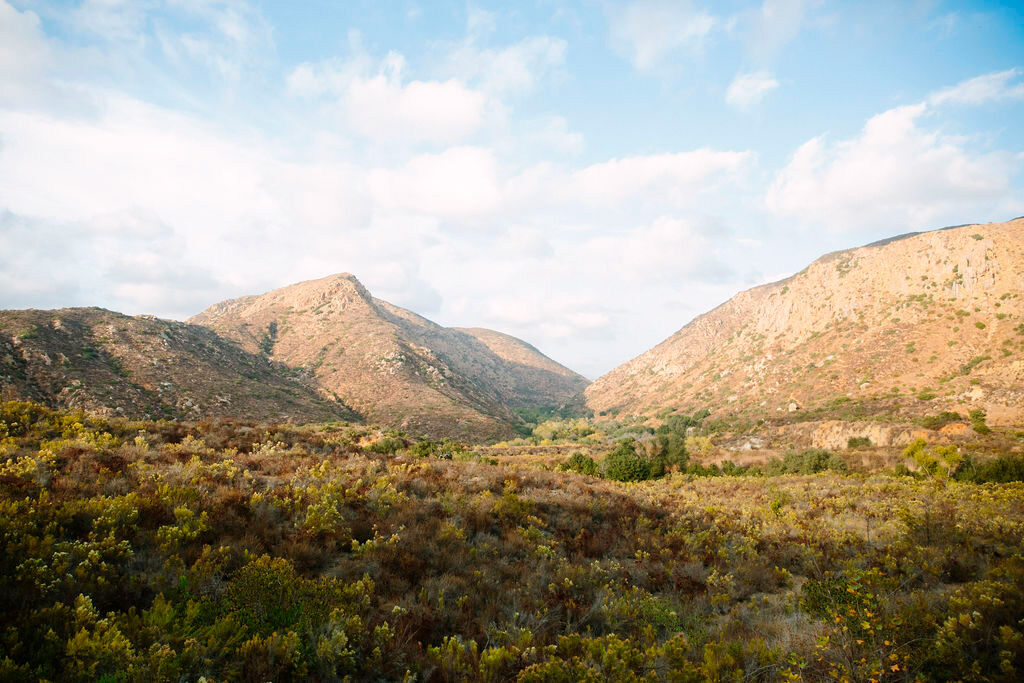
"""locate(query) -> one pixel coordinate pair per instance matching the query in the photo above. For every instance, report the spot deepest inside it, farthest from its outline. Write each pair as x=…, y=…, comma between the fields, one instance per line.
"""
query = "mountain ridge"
x=395, y=366
x=145, y=367
x=830, y=338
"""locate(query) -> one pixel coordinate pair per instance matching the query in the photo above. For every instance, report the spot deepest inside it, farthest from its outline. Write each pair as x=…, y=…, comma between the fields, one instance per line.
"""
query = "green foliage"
x=625, y=464
x=941, y=420
x=1005, y=468
x=564, y=429
x=808, y=461
x=700, y=446
x=966, y=368
x=534, y=415
x=444, y=449
x=581, y=464
x=977, y=418
x=387, y=445
x=269, y=339
x=858, y=442
x=929, y=459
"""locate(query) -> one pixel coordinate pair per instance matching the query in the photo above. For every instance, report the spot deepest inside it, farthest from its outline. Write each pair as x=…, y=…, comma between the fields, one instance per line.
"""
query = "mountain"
x=392, y=365
x=143, y=367
x=910, y=326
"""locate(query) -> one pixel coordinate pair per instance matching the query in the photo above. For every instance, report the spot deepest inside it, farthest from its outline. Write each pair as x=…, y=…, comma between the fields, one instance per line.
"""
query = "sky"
x=587, y=176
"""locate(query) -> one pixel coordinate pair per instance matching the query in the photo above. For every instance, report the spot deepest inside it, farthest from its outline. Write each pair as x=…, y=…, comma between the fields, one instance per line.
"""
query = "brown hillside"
x=910, y=326
x=397, y=368
x=143, y=367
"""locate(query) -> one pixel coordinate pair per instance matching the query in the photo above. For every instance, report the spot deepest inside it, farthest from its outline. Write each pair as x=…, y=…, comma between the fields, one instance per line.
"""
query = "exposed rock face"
x=914, y=325
x=143, y=367
x=395, y=367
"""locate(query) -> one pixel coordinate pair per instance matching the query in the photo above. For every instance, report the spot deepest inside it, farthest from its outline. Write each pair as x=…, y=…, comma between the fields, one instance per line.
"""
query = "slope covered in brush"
x=918, y=324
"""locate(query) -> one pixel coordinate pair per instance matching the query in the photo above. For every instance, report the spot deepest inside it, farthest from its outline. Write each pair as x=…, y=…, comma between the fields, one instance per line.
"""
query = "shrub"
x=929, y=458
x=966, y=368
x=941, y=420
x=809, y=461
x=387, y=445
x=700, y=446
x=623, y=464
x=581, y=464
x=669, y=451
x=858, y=442
x=978, y=421
x=1008, y=467
x=443, y=450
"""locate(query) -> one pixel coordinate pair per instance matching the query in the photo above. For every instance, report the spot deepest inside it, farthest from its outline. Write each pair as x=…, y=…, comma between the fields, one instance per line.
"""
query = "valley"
x=822, y=479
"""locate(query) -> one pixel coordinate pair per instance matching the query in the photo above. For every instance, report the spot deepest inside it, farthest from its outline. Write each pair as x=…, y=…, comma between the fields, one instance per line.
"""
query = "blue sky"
x=588, y=176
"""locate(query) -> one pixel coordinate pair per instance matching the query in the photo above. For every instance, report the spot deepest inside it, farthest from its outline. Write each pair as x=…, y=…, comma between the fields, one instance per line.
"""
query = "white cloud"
x=480, y=22
x=513, y=69
x=778, y=22
x=669, y=250
x=553, y=133
x=894, y=173
x=647, y=32
x=945, y=25
x=146, y=181
x=748, y=89
x=993, y=87
x=24, y=53
x=382, y=107
x=223, y=37
x=459, y=182
x=674, y=179
x=112, y=20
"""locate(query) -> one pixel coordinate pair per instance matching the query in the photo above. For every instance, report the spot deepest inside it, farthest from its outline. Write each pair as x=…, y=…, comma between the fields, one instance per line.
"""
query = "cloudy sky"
x=588, y=176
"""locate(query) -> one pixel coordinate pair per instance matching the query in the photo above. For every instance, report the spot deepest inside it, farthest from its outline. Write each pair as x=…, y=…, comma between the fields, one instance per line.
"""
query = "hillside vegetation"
x=394, y=366
x=144, y=367
x=893, y=331
x=255, y=551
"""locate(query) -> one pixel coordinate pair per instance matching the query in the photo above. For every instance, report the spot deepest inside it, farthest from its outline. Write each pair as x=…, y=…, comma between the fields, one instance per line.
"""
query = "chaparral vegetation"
x=231, y=550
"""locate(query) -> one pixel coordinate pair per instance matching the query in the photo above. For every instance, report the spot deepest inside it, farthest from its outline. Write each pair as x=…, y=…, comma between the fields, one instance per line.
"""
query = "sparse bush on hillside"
x=700, y=446
x=966, y=368
x=941, y=420
x=387, y=445
x=977, y=418
x=809, y=461
x=444, y=449
x=858, y=442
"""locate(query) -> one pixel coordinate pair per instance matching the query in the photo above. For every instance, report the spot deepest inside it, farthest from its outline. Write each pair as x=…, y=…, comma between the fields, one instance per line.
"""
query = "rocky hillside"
x=910, y=326
x=143, y=367
x=393, y=366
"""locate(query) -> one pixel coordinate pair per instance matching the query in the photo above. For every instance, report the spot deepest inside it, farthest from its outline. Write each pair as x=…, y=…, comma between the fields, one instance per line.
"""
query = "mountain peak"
x=394, y=366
